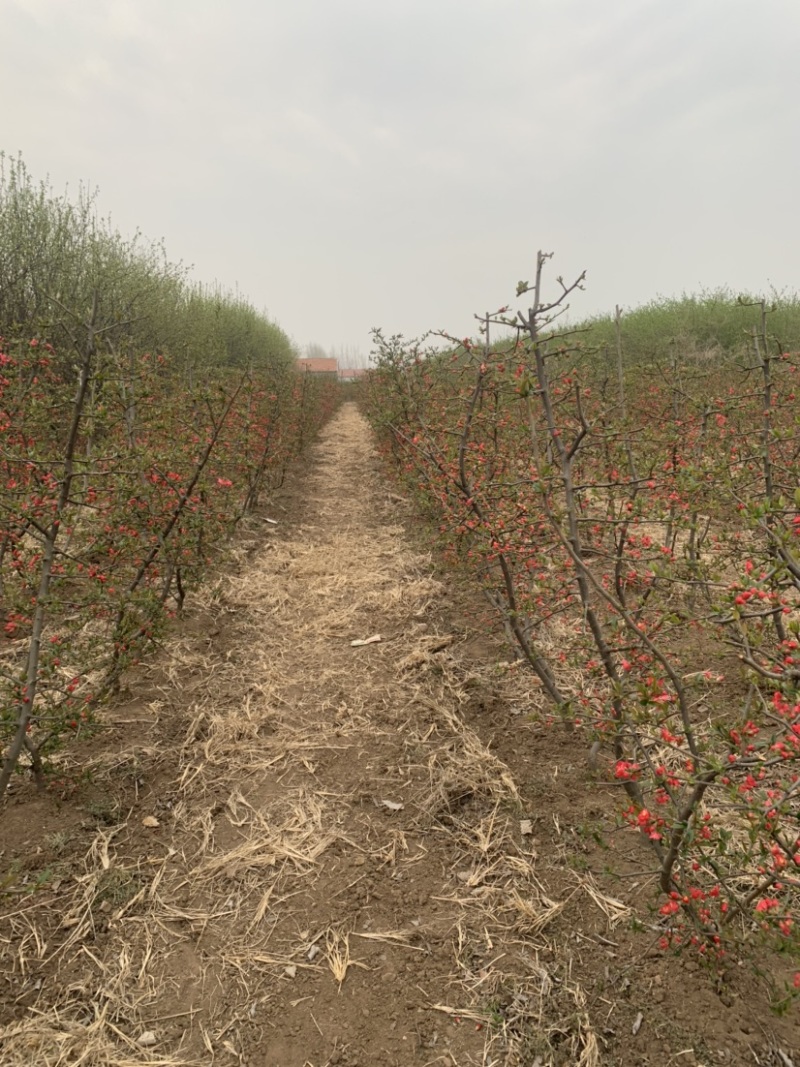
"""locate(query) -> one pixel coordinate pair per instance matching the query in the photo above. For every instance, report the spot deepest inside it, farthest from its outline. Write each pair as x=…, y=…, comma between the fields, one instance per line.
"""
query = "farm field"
x=286, y=848
x=142, y=418
x=450, y=716
x=399, y=535
x=633, y=518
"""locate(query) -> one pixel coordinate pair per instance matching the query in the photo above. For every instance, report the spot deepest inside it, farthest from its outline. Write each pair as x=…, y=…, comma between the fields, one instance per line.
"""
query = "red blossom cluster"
x=648, y=528
x=119, y=485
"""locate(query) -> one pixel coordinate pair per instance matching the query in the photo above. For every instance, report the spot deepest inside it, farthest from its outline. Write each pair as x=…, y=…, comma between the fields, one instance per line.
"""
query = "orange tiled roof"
x=317, y=365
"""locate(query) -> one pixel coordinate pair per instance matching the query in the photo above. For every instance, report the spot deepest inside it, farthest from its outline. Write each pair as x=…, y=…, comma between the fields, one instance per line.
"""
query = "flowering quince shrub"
x=638, y=530
x=119, y=483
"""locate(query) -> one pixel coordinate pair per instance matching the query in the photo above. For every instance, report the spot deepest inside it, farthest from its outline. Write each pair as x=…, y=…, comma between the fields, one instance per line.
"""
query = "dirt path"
x=331, y=777
x=342, y=873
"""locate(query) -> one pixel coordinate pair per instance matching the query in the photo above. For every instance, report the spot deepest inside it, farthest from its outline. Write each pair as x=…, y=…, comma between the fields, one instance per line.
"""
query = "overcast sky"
x=397, y=163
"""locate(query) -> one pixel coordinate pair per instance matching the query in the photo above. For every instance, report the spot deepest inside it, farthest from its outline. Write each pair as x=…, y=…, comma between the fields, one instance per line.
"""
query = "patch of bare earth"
x=297, y=851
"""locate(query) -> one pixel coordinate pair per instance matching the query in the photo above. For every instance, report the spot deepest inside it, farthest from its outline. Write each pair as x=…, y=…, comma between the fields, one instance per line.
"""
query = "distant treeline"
x=719, y=321
x=61, y=264
x=715, y=327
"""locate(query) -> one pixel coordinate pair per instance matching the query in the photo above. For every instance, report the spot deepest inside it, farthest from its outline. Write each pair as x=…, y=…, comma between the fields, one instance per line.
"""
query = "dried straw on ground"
x=279, y=750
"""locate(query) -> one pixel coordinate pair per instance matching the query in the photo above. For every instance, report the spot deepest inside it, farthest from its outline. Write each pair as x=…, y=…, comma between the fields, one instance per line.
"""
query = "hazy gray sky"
x=397, y=163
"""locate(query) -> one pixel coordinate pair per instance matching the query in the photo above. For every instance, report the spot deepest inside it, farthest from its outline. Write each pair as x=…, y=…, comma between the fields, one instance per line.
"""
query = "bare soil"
x=284, y=849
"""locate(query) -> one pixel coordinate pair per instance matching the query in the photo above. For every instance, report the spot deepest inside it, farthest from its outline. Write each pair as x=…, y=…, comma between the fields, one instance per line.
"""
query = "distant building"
x=351, y=374
x=318, y=365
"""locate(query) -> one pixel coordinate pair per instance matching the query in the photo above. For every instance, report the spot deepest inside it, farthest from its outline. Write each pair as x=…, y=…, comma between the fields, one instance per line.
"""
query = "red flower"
x=766, y=903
